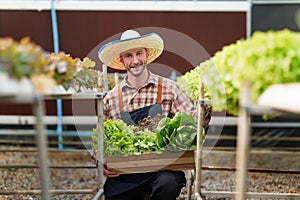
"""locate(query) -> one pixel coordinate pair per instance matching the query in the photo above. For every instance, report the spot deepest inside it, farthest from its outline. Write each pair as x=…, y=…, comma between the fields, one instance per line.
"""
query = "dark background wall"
x=80, y=32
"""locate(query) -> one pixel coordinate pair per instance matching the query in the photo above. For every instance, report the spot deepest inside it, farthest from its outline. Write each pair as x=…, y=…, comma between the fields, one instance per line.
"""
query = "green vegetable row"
x=176, y=134
x=264, y=59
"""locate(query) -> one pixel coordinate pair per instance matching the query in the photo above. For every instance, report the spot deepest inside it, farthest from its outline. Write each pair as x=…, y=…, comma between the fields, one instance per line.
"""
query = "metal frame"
x=185, y=6
x=242, y=151
x=99, y=97
x=247, y=108
x=41, y=143
x=275, y=1
x=198, y=159
x=100, y=193
x=41, y=139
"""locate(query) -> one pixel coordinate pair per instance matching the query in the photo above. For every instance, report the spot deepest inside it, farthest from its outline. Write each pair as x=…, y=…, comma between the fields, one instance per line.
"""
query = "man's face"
x=135, y=60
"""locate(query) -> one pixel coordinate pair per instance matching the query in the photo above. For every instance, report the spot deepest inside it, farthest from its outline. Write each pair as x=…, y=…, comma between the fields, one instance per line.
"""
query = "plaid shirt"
x=173, y=101
x=173, y=98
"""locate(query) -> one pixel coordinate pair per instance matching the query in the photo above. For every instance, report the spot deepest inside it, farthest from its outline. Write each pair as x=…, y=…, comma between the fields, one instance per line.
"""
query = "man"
x=139, y=95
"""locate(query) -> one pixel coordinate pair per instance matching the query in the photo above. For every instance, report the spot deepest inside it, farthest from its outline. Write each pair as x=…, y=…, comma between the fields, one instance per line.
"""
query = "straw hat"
x=109, y=53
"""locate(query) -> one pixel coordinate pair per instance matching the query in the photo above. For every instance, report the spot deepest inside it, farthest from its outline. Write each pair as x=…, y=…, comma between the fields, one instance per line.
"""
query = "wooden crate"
x=152, y=162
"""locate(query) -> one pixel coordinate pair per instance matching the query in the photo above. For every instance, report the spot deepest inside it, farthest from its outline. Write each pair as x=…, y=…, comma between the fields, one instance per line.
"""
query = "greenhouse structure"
x=238, y=62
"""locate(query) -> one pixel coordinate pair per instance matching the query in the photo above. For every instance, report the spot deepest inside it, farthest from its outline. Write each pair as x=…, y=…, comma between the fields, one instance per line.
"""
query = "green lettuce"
x=264, y=59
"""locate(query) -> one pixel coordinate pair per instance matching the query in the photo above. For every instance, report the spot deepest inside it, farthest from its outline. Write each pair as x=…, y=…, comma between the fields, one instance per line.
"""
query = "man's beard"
x=141, y=67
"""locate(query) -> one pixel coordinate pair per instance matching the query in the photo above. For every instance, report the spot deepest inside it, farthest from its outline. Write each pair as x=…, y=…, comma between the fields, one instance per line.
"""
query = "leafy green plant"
x=21, y=59
x=63, y=68
x=177, y=134
x=25, y=59
x=264, y=59
x=86, y=76
x=122, y=140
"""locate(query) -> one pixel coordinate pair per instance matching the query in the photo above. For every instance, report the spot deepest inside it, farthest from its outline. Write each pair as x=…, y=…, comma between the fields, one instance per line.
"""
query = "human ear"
x=121, y=59
x=147, y=54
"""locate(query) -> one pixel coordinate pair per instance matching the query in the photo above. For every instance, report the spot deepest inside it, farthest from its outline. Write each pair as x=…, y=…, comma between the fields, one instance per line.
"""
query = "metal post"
x=243, y=144
x=189, y=184
x=248, y=19
x=41, y=140
x=198, y=160
x=116, y=78
x=105, y=81
x=100, y=141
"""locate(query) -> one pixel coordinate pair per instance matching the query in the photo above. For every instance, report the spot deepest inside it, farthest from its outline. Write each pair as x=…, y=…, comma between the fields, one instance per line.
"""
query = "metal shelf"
x=41, y=137
x=247, y=108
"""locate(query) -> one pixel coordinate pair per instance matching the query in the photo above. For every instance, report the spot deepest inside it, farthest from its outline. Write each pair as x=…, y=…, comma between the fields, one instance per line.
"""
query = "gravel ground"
x=22, y=179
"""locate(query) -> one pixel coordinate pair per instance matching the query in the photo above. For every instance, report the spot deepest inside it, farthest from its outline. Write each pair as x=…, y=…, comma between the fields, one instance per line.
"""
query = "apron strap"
x=120, y=98
x=159, y=94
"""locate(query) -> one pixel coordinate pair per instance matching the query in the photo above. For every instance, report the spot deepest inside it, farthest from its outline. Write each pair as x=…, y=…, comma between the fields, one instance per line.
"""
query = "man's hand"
x=108, y=173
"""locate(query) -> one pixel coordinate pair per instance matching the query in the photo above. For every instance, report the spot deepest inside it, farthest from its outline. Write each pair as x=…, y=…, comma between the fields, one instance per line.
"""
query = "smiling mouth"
x=136, y=66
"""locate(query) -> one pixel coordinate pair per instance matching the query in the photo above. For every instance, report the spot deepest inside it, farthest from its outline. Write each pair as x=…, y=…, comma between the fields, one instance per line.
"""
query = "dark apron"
x=126, y=182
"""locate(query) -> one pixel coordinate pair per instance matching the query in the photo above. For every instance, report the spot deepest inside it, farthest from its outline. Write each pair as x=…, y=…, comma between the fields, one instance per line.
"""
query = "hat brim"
x=109, y=54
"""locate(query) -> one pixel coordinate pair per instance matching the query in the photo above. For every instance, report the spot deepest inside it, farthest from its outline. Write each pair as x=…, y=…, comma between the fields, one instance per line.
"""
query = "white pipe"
x=185, y=6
